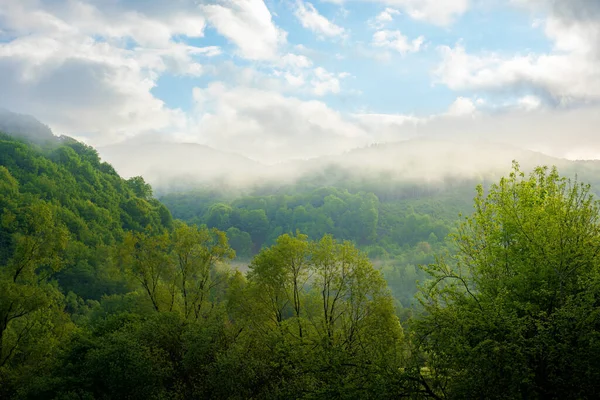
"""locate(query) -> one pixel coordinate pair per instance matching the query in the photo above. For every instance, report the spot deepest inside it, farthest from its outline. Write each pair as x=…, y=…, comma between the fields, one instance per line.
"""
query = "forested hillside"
x=397, y=232
x=398, y=221
x=63, y=214
x=65, y=181
x=104, y=296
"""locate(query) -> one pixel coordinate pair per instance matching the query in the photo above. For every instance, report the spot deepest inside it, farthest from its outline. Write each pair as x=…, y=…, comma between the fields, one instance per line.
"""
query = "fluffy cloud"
x=148, y=24
x=395, y=40
x=295, y=61
x=88, y=67
x=530, y=102
x=461, y=107
x=325, y=82
x=269, y=126
x=439, y=12
x=311, y=19
x=300, y=77
x=249, y=25
x=384, y=17
x=561, y=78
x=100, y=92
x=272, y=127
x=69, y=64
x=569, y=74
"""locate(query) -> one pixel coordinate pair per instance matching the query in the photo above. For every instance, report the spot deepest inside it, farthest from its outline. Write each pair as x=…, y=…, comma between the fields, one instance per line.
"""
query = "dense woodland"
x=398, y=231
x=307, y=292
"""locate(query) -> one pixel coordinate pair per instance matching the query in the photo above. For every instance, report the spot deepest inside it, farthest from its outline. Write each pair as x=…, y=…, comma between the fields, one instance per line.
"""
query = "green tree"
x=325, y=317
x=140, y=187
x=280, y=274
x=241, y=242
x=198, y=251
x=219, y=216
x=145, y=258
x=30, y=305
x=514, y=313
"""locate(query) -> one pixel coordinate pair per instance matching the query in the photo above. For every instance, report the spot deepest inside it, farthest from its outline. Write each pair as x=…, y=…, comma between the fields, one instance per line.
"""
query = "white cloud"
x=530, y=102
x=294, y=80
x=73, y=66
x=324, y=82
x=102, y=91
x=295, y=61
x=88, y=68
x=567, y=75
x=395, y=40
x=249, y=25
x=269, y=126
x=311, y=19
x=384, y=17
x=439, y=12
x=297, y=75
x=462, y=107
x=99, y=18
x=565, y=78
x=291, y=75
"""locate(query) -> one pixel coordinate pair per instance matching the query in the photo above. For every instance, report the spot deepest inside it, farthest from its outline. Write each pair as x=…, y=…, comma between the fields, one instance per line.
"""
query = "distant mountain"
x=420, y=161
x=26, y=126
x=172, y=167
x=175, y=166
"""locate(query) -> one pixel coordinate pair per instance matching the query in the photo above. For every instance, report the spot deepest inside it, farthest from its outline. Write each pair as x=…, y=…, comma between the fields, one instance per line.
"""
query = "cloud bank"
x=90, y=69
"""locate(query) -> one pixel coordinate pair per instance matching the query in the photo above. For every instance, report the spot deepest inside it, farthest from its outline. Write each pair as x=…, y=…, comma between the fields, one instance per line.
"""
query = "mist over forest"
x=299, y=199
x=322, y=275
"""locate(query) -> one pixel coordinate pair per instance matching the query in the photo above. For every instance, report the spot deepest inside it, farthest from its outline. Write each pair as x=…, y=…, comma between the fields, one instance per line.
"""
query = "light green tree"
x=280, y=274
x=197, y=252
x=145, y=257
x=28, y=299
x=514, y=313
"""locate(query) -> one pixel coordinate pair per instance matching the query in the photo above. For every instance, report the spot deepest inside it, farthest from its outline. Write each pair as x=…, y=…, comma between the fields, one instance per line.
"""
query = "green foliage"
x=520, y=296
x=329, y=210
x=140, y=187
x=327, y=316
x=86, y=196
x=62, y=212
x=31, y=317
x=398, y=233
x=103, y=295
x=235, y=349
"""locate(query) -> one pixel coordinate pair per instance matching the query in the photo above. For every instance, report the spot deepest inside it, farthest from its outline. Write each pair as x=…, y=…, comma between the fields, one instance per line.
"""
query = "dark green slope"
x=88, y=197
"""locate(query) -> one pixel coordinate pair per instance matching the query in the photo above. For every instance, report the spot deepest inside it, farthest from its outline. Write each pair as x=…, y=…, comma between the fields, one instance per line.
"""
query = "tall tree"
x=506, y=315
x=280, y=274
x=198, y=251
x=145, y=257
x=28, y=299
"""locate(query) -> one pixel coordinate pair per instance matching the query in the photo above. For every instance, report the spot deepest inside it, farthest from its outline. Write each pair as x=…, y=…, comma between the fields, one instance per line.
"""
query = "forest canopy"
x=104, y=295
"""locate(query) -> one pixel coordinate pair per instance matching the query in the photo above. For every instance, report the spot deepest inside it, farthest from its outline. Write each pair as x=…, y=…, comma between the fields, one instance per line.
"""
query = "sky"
x=276, y=80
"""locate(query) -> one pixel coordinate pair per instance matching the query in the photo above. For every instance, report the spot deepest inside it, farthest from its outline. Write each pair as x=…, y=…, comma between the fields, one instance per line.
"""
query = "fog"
x=418, y=150
x=24, y=126
x=428, y=150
